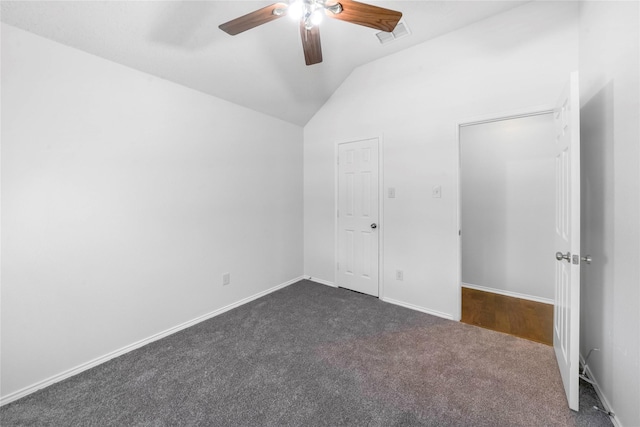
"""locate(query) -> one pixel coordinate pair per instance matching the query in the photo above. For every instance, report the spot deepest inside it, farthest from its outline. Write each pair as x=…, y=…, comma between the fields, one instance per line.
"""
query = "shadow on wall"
x=597, y=220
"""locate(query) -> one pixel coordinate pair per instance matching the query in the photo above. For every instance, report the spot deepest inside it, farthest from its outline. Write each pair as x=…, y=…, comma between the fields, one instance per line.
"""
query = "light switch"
x=436, y=192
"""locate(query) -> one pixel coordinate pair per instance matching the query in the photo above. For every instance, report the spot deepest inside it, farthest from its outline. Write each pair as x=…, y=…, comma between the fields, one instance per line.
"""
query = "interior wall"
x=414, y=99
x=124, y=199
x=507, y=185
x=610, y=135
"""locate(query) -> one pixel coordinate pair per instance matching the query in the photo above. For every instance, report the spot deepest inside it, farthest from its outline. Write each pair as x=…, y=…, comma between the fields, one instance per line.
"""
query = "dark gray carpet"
x=313, y=355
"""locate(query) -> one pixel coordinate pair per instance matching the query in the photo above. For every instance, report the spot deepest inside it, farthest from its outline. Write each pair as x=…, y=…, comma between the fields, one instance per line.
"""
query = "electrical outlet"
x=226, y=279
x=399, y=275
x=391, y=192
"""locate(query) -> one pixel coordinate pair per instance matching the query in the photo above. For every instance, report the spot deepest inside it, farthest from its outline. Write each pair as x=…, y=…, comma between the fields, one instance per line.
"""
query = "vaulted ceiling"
x=262, y=69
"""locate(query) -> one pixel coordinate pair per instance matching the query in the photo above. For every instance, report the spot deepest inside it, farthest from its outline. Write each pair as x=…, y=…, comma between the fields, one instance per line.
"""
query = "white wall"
x=610, y=131
x=415, y=98
x=507, y=184
x=124, y=199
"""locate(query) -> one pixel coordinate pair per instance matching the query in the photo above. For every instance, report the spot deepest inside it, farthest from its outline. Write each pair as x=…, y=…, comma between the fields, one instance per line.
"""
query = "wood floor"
x=522, y=318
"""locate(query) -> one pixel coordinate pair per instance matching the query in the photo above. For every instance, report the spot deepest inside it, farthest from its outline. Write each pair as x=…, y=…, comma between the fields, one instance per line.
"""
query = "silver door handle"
x=586, y=259
x=374, y=225
x=560, y=256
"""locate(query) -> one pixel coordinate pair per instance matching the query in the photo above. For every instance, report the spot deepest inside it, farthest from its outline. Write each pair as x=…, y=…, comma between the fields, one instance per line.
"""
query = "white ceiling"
x=262, y=69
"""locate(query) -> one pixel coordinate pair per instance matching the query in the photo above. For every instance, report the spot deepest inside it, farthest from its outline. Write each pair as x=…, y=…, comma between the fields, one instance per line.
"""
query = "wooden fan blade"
x=367, y=15
x=253, y=19
x=311, y=44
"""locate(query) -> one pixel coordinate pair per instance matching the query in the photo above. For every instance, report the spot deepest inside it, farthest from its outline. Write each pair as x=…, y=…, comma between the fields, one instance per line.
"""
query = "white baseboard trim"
x=417, y=308
x=508, y=293
x=126, y=349
x=601, y=396
x=321, y=281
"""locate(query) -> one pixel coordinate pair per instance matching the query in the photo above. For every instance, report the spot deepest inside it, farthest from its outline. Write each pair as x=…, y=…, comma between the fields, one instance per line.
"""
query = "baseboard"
x=102, y=359
x=391, y=301
x=601, y=396
x=508, y=293
x=418, y=308
x=321, y=281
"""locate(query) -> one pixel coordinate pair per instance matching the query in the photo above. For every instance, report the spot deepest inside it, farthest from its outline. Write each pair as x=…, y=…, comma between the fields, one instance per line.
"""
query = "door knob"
x=374, y=225
x=586, y=259
x=560, y=256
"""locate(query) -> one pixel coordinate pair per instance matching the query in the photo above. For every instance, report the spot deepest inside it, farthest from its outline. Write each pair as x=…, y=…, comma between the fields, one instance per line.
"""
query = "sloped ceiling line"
x=262, y=69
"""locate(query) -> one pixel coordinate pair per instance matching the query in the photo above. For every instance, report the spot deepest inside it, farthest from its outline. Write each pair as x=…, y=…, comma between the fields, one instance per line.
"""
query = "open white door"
x=357, y=267
x=566, y=316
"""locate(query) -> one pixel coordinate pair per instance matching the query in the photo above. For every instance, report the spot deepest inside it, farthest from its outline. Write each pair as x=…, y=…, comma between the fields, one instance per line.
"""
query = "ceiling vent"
x=401, y=30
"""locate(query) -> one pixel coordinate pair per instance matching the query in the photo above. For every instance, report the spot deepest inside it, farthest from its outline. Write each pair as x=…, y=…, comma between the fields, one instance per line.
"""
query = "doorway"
x=507, y=186
x=565, y=226
x=358, y=228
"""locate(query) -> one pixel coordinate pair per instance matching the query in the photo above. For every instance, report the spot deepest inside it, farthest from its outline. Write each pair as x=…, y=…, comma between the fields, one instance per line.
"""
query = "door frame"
x=477, y=120
x=380, y=233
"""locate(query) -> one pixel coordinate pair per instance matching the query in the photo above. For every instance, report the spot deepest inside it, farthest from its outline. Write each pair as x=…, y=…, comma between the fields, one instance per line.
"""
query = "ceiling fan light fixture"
x=316, y=16
x=309, y=13
x=296, y=10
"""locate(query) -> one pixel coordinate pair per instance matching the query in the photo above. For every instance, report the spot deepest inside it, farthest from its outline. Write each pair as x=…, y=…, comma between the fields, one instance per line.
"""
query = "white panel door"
x=566, y=316
x=358, y=231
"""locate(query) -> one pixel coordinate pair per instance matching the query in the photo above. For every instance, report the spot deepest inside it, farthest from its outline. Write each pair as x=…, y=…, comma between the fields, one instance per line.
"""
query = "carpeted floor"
x=313, y=355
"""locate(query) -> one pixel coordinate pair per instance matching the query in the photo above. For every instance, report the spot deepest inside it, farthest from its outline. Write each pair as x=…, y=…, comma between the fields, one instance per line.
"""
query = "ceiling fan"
x=310, y=14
